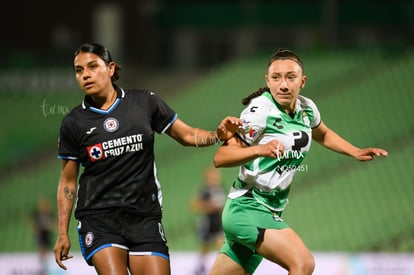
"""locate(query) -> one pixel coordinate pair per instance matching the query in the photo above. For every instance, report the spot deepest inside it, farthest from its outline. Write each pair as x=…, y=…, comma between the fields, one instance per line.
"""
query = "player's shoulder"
x=264, y=99
x=306, y=102
x=138, y=92
x=260, y=103
x=141, y=96
x=73, y=117
x=75, y=111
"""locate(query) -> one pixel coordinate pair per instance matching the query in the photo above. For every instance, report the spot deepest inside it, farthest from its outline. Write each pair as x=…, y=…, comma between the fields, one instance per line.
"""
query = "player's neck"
x=290, y=109
x=105, y=102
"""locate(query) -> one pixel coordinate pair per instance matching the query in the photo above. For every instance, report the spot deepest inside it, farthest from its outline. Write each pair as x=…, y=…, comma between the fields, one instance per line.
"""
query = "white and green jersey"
x=263, y=119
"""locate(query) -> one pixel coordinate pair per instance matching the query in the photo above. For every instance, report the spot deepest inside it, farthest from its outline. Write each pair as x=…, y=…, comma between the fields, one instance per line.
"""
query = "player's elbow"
x=217, y=162
x=220, y=162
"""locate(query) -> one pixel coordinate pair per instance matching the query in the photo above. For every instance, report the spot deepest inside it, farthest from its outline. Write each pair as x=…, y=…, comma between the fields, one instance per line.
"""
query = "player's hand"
x=228, y=127
x=370, y=154
x=272, y=149
x=61, y=250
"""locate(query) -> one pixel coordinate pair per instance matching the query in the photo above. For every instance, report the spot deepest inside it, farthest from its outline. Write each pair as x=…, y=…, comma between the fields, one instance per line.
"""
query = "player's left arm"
x=331, y=140
x=190, y=136
x=66, y=196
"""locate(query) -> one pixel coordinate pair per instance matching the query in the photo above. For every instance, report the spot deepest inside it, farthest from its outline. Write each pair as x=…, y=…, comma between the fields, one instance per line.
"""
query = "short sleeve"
x=68, y=147
x=162, y=114
x=254, y=121
x=316, y=116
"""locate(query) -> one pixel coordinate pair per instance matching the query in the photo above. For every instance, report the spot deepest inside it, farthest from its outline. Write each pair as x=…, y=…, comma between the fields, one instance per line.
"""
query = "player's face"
x=285, y=79
x=92, y=74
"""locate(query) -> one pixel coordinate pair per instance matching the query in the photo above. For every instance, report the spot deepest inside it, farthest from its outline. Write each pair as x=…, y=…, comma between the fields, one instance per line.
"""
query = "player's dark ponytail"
x=246, y=100
x=103, y=53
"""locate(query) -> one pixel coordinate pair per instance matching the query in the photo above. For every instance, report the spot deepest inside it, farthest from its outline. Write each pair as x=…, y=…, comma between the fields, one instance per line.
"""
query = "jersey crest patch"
x=111, y=124
x=96, y=152
x=305, y=118
x=89, y=239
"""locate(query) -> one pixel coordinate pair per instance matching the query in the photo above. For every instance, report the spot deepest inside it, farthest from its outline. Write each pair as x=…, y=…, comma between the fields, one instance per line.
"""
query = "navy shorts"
x=139, y=235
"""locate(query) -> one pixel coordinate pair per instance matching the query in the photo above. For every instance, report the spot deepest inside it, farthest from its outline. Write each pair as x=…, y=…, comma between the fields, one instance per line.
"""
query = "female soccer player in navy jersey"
x=119, y=199
x=278, y=126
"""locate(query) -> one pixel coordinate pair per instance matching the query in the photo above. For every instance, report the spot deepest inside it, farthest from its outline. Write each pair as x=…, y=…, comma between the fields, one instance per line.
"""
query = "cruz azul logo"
x=115, y=147
x=95, y=152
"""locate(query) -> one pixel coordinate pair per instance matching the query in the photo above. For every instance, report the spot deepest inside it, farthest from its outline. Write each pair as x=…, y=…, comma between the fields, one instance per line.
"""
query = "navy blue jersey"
x=116, y=149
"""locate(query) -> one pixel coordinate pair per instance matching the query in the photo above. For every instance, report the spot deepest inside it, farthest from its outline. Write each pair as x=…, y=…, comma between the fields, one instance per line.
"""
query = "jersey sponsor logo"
x=248, y=131
x=161, y=231
x=253, y=109
x=95, y=152
x=276, y=217
x=115, y=147
x=278, y=123
x=90, y=130
x=301, y=140
x=111, y=124
x=251, y=133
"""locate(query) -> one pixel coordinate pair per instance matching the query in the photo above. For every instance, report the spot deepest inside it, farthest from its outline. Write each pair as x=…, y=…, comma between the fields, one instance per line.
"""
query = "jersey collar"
x=297, y=105
x=86, y=103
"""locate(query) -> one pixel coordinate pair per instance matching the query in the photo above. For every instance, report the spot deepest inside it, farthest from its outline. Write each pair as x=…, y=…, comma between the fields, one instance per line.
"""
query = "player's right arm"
x=235, y=152
x=65, y=199
x=242, y=148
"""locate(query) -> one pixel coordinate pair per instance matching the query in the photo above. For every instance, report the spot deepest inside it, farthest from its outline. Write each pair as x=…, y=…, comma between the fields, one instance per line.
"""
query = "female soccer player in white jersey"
x=278, y=126
x=119, y=199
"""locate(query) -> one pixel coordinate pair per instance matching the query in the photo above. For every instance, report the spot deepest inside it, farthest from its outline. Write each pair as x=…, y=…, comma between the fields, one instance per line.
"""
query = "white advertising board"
x=184, y=263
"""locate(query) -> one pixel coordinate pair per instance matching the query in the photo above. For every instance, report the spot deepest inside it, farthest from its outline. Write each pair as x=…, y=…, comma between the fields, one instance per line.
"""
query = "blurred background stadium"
x=202, y=57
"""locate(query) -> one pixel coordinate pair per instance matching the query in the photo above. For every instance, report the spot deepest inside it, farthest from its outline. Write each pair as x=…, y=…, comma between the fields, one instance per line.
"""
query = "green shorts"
x=244, y=223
